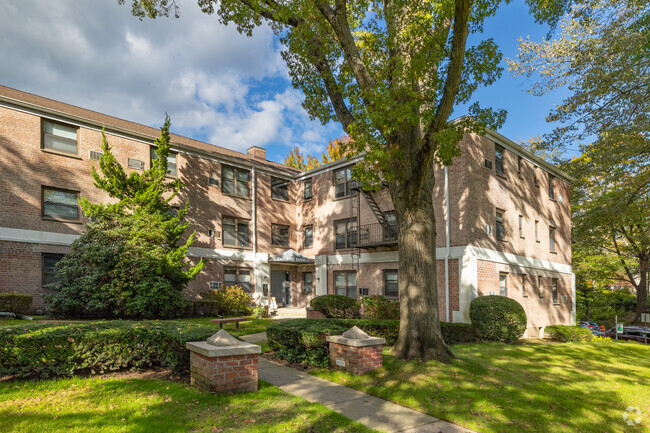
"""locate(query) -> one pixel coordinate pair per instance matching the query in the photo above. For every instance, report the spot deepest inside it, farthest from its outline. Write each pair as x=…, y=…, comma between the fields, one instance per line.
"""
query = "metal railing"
x=375, y=235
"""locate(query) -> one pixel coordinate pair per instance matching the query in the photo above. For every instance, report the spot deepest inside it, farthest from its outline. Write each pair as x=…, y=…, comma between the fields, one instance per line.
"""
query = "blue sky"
x=217, y=85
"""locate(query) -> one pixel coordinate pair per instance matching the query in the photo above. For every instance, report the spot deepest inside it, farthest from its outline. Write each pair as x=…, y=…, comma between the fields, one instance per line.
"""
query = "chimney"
x=257, y=152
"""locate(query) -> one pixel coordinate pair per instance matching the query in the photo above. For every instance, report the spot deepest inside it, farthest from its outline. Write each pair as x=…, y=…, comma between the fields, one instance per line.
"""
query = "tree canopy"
x=336, y=149
x=391, y=73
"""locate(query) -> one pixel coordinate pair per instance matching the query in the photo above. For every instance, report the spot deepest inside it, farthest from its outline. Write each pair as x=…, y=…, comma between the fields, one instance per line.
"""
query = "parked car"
x=594, y=330
x=590, y=325
x=630, y=333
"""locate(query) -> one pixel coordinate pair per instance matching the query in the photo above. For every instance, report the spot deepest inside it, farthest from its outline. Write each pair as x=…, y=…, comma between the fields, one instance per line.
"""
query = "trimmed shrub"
x=498, y=318
x=565, y=334
x=18, y=303
x=337, y=306
x=227, y=301
x=44, y=350
x=260, y=312
x=379, y=307
x=304, y=340
x=458, y=333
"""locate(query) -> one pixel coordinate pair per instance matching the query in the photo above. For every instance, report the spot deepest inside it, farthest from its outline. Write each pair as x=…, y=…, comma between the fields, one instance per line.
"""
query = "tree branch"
x=338, y=20
x=336, y=97
x=454, y=71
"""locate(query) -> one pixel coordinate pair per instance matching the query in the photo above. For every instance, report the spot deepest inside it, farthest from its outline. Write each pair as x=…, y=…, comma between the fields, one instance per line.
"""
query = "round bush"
x=336, y=306
x=379, y=307
x=498, y=318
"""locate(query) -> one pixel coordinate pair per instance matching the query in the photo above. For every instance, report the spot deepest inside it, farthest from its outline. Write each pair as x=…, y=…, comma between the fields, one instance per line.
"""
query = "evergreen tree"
x=131, y=262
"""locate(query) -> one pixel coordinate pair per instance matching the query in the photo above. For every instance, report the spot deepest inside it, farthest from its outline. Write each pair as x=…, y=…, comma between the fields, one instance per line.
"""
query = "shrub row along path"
x=371, y=411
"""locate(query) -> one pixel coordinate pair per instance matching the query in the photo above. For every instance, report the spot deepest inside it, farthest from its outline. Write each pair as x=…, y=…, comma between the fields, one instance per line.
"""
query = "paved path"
x=371, y=411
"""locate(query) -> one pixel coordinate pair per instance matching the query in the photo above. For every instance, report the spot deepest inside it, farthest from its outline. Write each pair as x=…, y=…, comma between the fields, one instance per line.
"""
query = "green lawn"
x=145, y=405
x=534, y=387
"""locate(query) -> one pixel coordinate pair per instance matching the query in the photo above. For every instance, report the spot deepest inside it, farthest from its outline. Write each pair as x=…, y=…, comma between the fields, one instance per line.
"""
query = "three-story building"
x=502, y=215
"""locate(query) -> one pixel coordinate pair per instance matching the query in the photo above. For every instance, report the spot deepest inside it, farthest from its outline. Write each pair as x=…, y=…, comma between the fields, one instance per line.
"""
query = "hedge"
x=304, y=340
x=18, y=303
x=51, y=350
x=380, y=307
x=337, y=306
x=565, y=334
x=498, y=318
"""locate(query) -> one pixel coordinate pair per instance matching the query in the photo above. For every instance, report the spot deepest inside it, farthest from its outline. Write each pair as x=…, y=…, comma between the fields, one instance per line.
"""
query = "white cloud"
x=215, y=84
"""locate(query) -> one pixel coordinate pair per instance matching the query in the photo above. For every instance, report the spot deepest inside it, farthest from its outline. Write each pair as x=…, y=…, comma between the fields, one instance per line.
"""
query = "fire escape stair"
x=374, y=206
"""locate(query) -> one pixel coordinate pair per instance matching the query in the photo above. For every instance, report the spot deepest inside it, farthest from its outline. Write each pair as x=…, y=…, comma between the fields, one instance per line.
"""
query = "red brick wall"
x=539, y=311
x=358, y=360
x=224, y=373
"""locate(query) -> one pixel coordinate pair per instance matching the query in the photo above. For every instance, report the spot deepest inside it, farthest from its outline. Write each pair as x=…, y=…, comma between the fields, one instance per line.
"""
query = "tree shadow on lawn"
x=529, y=387
x=141, y=406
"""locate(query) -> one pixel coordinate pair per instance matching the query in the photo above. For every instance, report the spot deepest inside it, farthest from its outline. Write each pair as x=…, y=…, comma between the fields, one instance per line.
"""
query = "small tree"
x=131, y=261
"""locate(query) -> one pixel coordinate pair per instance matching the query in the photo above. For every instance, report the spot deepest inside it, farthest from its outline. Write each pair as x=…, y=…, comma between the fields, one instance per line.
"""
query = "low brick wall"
x=314, y=314
x=224, y=373
x=356, y=360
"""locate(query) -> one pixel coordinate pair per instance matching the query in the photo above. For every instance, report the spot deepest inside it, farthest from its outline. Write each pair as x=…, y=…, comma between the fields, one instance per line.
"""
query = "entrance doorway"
x=281, y=287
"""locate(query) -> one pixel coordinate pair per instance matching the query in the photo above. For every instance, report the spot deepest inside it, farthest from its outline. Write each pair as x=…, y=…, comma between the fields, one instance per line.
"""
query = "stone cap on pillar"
x=222, y=344
x=355, y=337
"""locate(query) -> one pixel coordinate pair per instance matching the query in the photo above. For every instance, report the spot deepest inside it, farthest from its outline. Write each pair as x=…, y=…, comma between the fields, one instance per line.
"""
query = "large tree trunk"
x=642, y=289
x=420, y=336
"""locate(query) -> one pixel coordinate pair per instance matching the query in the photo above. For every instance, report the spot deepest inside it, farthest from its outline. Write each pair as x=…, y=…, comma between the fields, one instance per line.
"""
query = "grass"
x=146, y=405
x=534, y=387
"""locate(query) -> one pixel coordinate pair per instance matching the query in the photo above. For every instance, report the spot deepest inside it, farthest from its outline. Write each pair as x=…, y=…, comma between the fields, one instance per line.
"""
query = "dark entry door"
x=282, y=295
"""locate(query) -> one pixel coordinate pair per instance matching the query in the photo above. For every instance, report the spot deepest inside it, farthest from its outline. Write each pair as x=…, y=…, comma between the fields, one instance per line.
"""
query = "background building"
x=502, y=215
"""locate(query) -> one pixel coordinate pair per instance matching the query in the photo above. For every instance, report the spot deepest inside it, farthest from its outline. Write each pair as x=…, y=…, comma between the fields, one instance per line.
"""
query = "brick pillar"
x=227, y=366
x=356, y=352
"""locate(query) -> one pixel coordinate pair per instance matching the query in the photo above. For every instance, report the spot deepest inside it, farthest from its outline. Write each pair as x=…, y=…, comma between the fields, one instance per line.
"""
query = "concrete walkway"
x=371, y=411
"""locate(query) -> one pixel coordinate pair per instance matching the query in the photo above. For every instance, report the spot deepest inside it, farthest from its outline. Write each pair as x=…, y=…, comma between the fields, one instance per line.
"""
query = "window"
x=307, y=282
x=346, y=283
x=234, y=181
x=237, y=277
x=59, y=138
x=536, y=178
x=554, y=290
x=524, y=292
x=236, y=233
x=49, y=272
x=551, y=190
x=391, y=286
x=503, y=284
x=521, y=226
x=540, y=288
x=498, y=159
x=487, y=163
x=346, y=233
x=279, y=235
x=213, y=181
x=343, y=182
x=551, y=239
x=501, y=228
x=519, y=159
x=307, y=193
x=279, y=189
x=171, y=161
x=308, y=237
x=536, y=231
x=60, y=204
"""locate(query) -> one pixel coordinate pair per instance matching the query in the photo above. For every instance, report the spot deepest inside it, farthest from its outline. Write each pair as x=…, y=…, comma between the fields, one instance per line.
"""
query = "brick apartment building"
x=503, y=217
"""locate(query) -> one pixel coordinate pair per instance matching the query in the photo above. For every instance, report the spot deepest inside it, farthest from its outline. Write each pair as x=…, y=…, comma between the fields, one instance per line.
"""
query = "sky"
x=217, y=86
